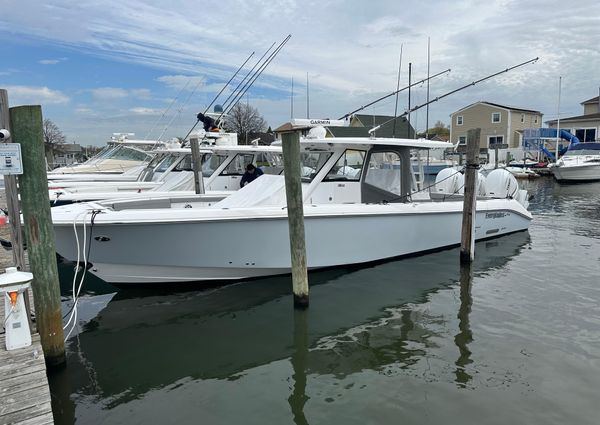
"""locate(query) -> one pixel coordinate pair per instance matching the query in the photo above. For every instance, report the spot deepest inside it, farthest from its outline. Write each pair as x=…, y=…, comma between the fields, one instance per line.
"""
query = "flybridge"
x=297, y=122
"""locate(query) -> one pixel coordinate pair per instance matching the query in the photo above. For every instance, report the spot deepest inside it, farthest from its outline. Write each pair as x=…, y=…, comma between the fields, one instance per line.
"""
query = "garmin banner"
x=298, y=122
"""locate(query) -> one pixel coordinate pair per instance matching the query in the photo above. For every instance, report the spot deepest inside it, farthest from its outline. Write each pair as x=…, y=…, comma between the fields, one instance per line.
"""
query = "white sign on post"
x=10, y=159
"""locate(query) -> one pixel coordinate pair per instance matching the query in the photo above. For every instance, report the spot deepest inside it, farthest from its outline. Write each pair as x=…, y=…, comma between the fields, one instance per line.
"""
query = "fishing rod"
x=167, y=110
x=225, y=86
x=256, y=75
x=180, y=109
x=393, y=93
x=236, y=73
x=246, y=76
x=416, y=107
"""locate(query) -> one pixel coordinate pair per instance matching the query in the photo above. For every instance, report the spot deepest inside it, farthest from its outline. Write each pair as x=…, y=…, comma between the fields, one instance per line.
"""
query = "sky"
x=148, y=67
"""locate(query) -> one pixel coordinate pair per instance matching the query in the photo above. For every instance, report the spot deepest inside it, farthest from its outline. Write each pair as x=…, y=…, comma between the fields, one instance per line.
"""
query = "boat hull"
x=233, y=249
x=577, y=173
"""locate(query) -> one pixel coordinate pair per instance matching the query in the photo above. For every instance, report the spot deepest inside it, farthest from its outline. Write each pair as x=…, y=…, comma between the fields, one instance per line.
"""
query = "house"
x=587, y=126
x=359, y=126
x=499, y=124
x=67, y=154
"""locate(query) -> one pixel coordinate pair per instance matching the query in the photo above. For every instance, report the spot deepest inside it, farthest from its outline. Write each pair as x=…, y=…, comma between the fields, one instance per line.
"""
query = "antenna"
x=393, y=93
x=452, y=92
x=427, y=110
x=167, y=110
x=398, y=89
x=292, y=101
x=307, y=98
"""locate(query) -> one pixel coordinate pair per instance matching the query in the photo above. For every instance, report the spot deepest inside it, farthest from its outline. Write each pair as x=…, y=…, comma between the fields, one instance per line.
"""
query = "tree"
x=245, y=120
x=53, y=138
x=438, y=129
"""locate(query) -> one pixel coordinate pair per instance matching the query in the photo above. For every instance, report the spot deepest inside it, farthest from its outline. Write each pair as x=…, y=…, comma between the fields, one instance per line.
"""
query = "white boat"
x=122, y=159
x=350, y=218
x=170, y=174
x=580, y=163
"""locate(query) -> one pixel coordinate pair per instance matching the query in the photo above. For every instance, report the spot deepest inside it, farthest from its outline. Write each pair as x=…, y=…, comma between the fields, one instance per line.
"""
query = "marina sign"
x=10, y=159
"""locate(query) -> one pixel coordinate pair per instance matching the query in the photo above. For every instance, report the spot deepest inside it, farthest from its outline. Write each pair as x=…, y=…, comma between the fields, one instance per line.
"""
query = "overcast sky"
x=99, y=67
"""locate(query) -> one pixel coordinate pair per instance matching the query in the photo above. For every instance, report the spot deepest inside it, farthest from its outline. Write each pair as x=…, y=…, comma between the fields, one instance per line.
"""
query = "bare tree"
x=53, y=138
x=245, y=120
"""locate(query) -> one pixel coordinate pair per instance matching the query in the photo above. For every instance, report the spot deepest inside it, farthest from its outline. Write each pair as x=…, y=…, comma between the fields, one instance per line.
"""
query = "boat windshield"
x=348, y=167
x=583, y=152
x=312, y=162
x=127, y=153
x=210, y=162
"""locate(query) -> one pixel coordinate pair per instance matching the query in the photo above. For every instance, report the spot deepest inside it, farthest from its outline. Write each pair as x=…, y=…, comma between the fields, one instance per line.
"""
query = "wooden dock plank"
x=24, y=390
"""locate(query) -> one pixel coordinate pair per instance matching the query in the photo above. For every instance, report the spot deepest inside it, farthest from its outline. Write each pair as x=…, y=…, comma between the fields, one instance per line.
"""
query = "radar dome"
x=218, y=109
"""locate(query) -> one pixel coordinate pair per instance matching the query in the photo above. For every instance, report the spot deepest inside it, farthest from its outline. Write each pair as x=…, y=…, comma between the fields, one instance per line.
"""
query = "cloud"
x=35, y=95
x=49, y=61
x=114, y=93
x=145, y=111
x=181, y=82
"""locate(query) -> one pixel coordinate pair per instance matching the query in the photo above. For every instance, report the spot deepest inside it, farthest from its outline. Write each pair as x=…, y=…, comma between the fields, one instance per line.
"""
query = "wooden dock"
x=24, y=390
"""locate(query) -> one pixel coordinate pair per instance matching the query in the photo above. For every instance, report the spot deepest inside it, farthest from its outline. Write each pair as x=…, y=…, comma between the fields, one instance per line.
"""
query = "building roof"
x=587, y=117
x=497, y=105
x=592, y=100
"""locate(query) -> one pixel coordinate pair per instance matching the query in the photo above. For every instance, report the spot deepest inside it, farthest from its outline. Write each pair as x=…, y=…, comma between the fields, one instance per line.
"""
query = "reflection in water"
x=359, y=320
x=298, y=398
x=464, y=337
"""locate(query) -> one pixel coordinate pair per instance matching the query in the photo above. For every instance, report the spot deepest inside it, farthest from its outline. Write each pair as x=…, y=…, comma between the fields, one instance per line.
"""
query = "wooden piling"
x=12, y=196
x=295, y=209
x=197, y=165
x=26, y=124
x=467, y=240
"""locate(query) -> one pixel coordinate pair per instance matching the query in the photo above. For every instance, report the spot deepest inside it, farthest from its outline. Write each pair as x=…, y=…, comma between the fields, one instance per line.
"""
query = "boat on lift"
x=366, y=214
x=580, y=163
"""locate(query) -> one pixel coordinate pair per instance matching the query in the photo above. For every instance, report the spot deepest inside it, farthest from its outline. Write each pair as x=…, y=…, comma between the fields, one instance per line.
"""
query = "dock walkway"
x=24, y=390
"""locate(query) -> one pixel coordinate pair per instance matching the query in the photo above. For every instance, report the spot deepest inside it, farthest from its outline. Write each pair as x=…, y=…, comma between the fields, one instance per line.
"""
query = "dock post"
x=197, y=165
x=26, y=123
x=467, y=240
x=295, y=209
x=12, y=196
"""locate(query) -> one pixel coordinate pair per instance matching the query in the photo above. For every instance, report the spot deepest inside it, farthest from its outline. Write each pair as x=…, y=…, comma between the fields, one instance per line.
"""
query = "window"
x=535, y=119
x=348, y=167
x=462, y=140
x=384, y=171
x=185, y=164
x=586, y=134
x=522, y=117
x=165, y=164
x=492, y=140
x=495, y=117
x=459, y=120
x=312, y=162
x=237, y=166
x=210, y=162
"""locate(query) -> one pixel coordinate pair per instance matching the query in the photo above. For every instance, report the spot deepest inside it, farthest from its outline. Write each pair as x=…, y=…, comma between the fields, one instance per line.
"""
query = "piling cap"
x=14, y=277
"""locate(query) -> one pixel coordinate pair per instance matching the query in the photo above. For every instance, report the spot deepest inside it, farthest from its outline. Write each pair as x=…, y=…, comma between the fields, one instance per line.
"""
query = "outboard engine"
x=449, y=181
x=481, y=184
x=501, y=183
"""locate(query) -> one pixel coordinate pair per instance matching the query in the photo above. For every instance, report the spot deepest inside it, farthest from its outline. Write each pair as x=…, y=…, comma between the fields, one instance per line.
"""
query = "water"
x=414, y=341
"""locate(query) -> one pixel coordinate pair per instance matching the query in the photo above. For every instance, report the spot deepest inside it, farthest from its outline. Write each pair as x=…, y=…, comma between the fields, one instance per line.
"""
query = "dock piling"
x=26, y=124
x=197, y=165
x=295, y=210
x=467, y=240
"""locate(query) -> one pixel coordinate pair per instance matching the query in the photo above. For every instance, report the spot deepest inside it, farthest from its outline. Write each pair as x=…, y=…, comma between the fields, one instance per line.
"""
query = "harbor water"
x=516, y=339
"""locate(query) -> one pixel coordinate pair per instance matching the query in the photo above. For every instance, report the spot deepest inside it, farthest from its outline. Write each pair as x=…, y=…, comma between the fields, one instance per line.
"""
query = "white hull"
x=577, y=172
x=231, y=246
